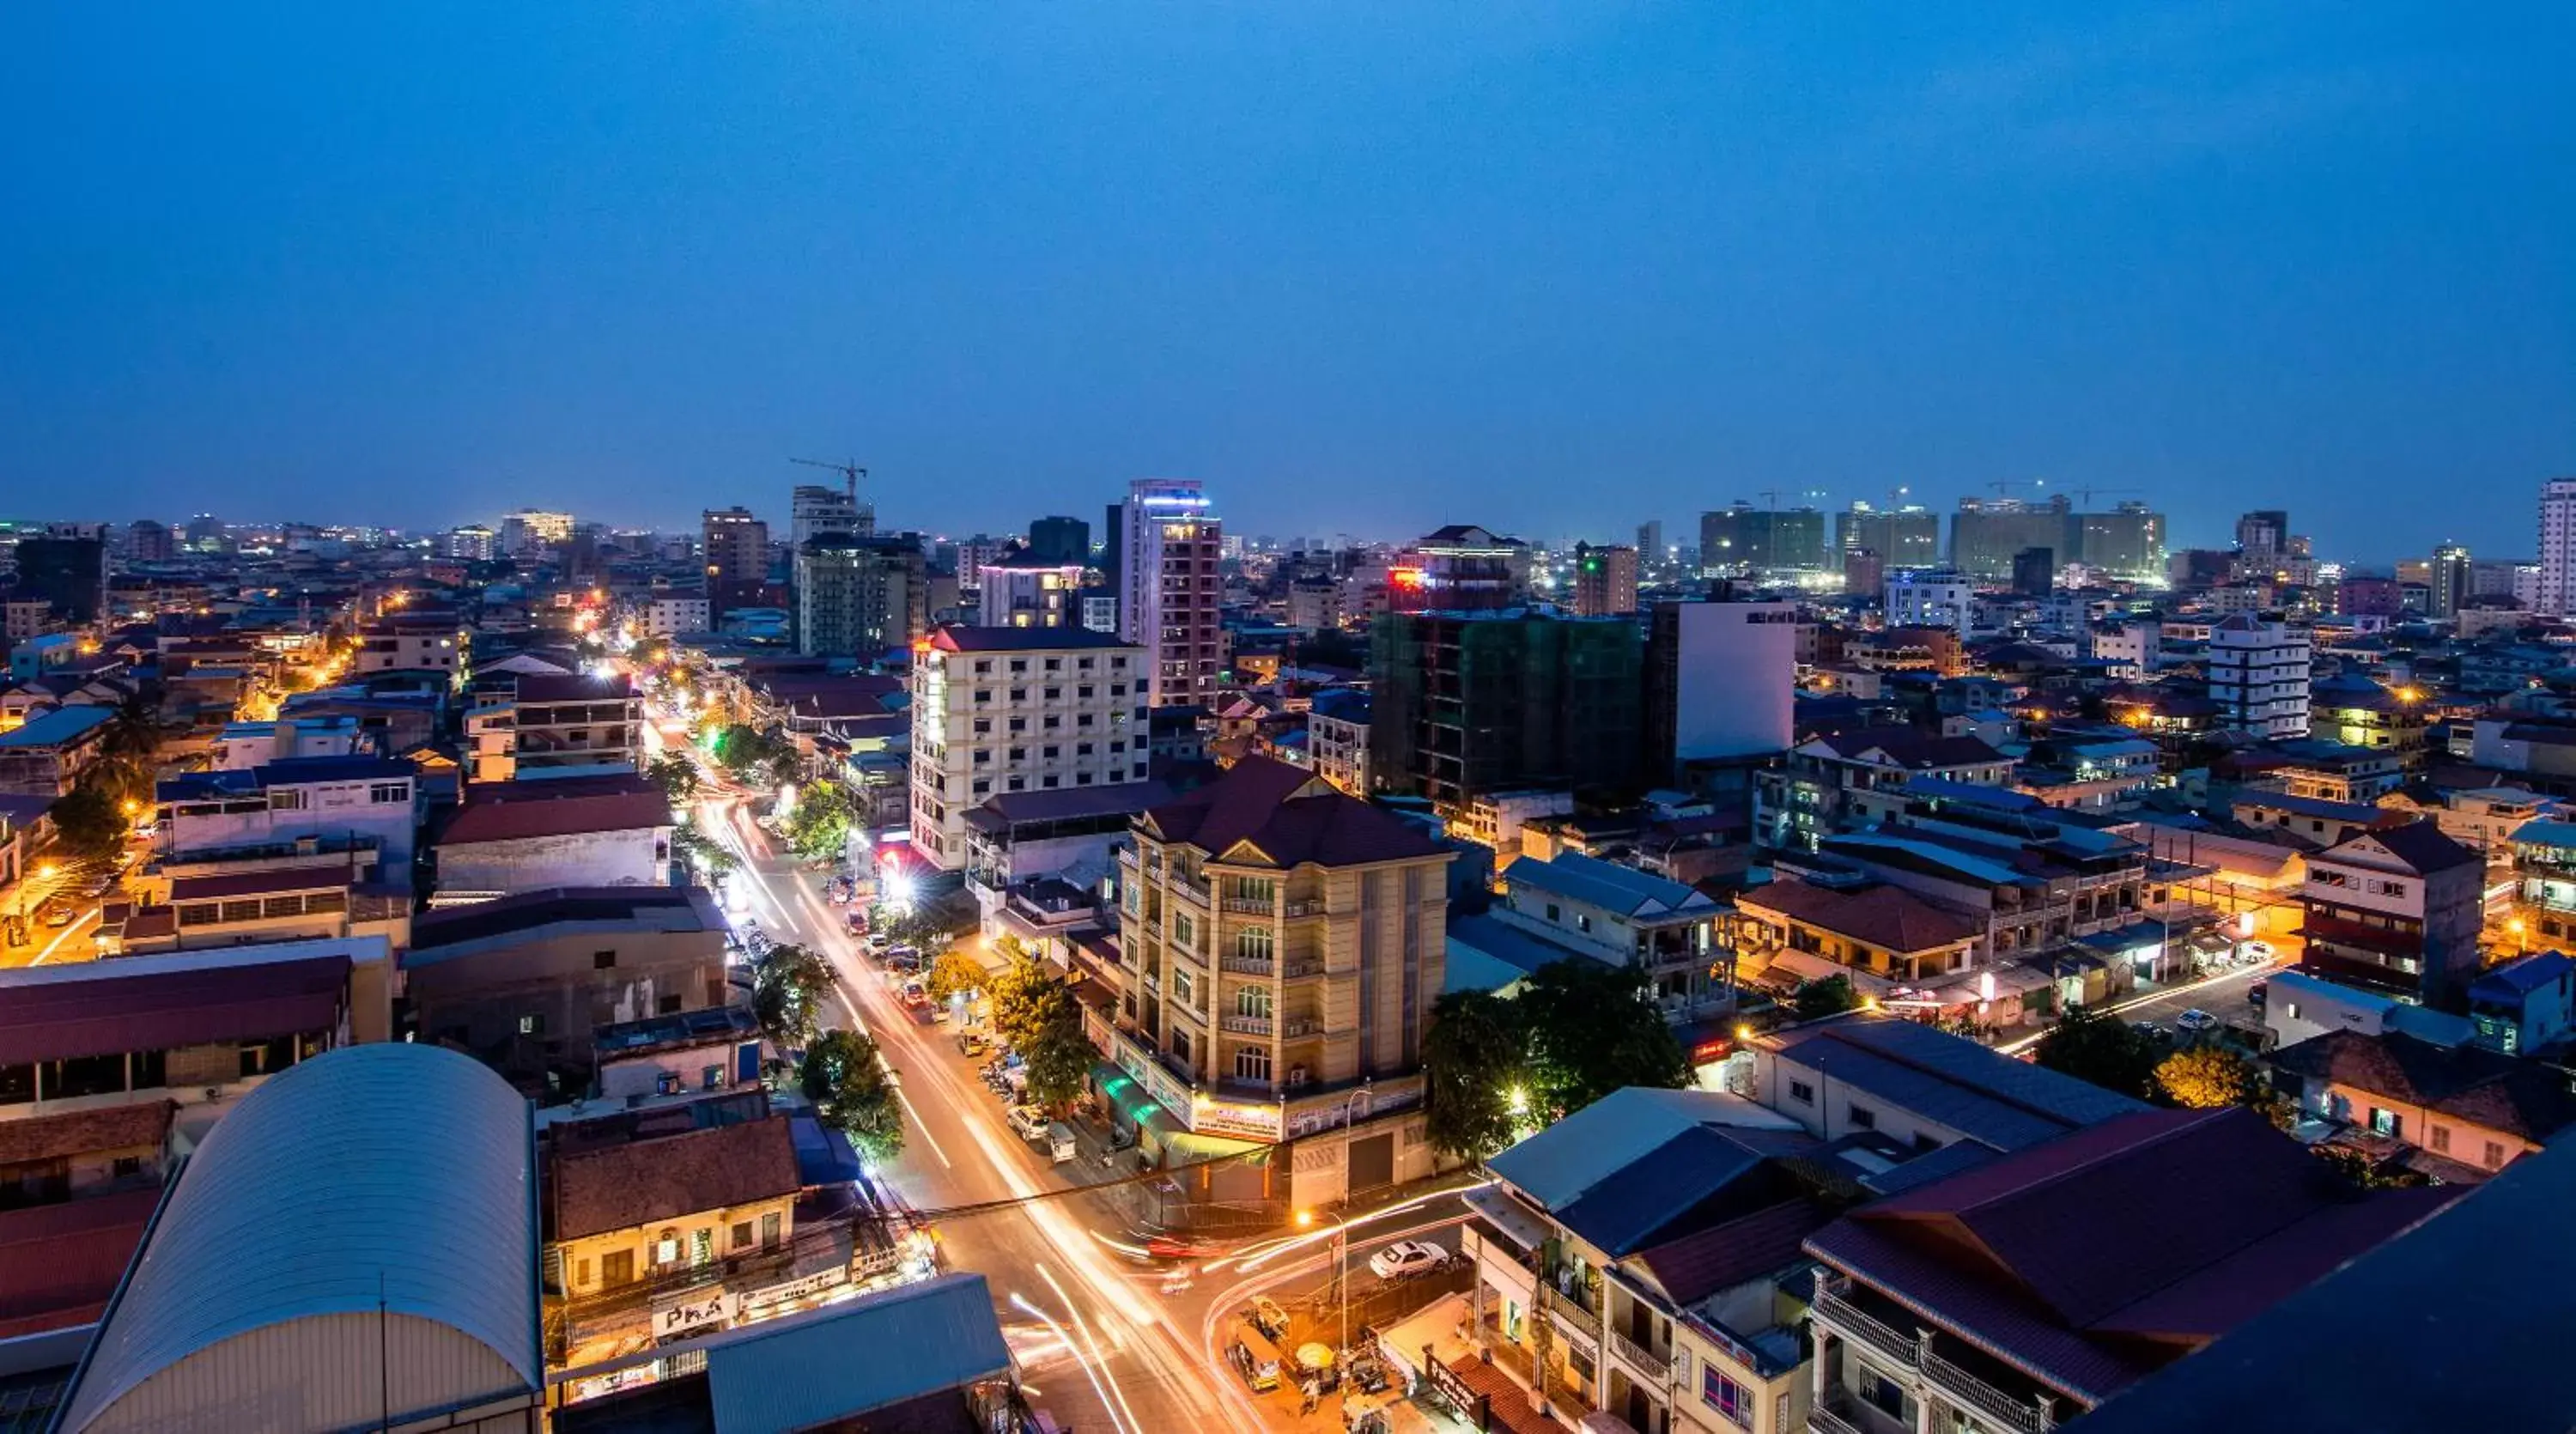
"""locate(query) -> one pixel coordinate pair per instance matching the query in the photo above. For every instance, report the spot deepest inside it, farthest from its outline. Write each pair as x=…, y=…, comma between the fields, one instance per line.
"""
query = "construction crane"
x=1773, y=494
x=2085, y=495
x=2003, y=486
x=850, y=472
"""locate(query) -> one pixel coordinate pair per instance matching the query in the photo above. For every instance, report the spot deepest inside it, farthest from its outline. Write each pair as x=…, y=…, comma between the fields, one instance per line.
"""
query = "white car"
x=2255, y=950
x=1028, y=1121
x=2195, y=1021
x=1406, y=1258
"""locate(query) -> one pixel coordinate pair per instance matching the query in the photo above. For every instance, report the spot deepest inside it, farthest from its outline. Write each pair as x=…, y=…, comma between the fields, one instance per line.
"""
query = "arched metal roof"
x=391, y=1171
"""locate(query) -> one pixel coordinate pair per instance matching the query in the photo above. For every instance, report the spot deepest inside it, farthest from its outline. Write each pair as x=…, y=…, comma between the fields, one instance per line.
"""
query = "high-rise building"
x=149, y=542
x=1169, y=591
x=2034, y=572
x=1986, y=533
x=815, y=509
x=1467, y=704
x=1650, y=541
x=1721, y=679
x=1864, y=571
x=206, y=533
x=737, y=553
x=1745, y=541
x=1459, y=568
x=1605, y=581
x=2259, y=671
x=1060, y=540
x=2368, y=595
x=531, y=529
x=859, y=597
x=70, y=574
x=997, y=710
x=474, y=543
x=1906, y=537
x=1113, y=542
x=2264, y=532
x=2558, y=547
x=2127, y=542
x=2447, y=584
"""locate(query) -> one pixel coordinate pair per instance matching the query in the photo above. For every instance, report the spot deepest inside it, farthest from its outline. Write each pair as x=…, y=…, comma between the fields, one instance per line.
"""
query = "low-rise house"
x=528, y=835
x=2460, y=1112
x=2397, y=910
x=2526, y=1004
x=634, y=1201
x=557, y=725
x=1624, y=917
x=708, y=1052
x=1923, y=1088
x=1015, y=837
x=296, y=808
x=1337, y=740
x=2299, y=1007
x=1878, y=934
x=1656, y=1233
x=1797, y=804
x=286, y=899
x=46, y=756
x=522, y=981
x=1993, y=1299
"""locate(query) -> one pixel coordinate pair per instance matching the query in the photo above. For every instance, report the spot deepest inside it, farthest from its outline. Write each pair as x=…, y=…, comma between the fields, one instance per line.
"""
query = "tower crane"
x=850, y=472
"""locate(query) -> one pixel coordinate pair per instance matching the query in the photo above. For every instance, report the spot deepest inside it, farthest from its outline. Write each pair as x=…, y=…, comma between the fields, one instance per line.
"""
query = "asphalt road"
x=1103, y=1346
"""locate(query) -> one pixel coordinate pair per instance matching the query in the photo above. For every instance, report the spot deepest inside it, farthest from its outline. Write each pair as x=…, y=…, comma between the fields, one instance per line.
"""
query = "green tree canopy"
x=1059, y=1056
x=702, y=851
x=846, y=1079
x=1475, y=1057
x=1595, y=1028
x=2093, y=1046
x=819, y=826
x=1829, y=997
x=787, y=994
x=676, y=775
x=91, y=822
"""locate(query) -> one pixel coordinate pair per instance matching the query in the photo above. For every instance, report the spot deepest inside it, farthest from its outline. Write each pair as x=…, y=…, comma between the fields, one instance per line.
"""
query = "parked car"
x=1266, y=1316
x=1407, y=1258
x=2255, y=950
x=59, y=913
x=2195, y=1021
x=971, y=1043
x=1027, y=1121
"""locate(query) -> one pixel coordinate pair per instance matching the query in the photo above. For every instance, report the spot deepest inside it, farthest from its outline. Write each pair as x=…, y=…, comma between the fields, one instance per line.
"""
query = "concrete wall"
x=636, y=857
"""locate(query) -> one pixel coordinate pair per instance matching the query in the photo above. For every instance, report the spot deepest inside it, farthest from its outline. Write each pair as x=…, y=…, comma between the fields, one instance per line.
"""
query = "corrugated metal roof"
x=1555, y=1166
x=799, y=1373
x=393, y=1170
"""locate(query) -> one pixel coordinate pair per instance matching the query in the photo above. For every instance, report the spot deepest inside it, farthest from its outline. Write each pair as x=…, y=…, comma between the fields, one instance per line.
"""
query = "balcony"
x=1248, y=965
x=1296, y=909
x=1250, y=905
x=1193, y=891
x=1821, y=1420
x=1639, y=1358
x=1834, y=1308
x=1296, y=1026
x=1575, y=1317
x=1981, y=1399
x=1244, y=1025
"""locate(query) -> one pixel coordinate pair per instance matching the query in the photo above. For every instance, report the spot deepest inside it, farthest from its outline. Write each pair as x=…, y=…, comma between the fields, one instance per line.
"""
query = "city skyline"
x=1352, y=261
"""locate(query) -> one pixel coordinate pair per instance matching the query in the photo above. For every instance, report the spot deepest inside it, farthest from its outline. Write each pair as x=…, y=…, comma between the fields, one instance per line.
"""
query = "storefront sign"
x=699, y=1309
x=798, y=1289
x=1446, y=1381
x=1162, y=1085
x=1261, y=1122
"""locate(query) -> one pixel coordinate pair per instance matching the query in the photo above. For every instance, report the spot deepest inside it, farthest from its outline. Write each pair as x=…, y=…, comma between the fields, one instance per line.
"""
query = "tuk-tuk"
x=1060, y=1142
x=1256, y=1359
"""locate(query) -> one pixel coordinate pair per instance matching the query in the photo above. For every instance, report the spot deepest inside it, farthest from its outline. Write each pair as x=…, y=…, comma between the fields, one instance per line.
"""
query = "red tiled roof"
x=1888, y=917
x=1258, y=800
x=2485, y=1087
x=119, y=1006
x=60, y=1263
x=493, y=815
x=1696, y=1266
x=260, y=883
x=2180, y=1223
x=2421, y=845
x=645, y=1181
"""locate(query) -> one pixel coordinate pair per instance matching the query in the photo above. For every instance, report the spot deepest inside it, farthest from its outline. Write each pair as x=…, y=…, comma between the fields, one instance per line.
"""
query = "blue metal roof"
x=1953, y=1081
x=845, y=1360
x=1619, y=1217
x=1559, y=1164
x=63, y=724
x=1605, y=884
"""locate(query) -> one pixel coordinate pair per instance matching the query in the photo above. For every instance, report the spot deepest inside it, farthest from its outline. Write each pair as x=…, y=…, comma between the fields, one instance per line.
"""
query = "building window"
x=617, y=1267
x=1183, y=931
x=2386, y=1122
x=383, y=793
x=666, y=1248
x=1864, y=1118
x=286, y=801
x=2440, y=1135
x=1184, y=990
x=2495, y=1155
x=603, y=960
x=702, y=1245
x=1181, y=1046
x=1802, y=1092
x=742, y=1234
x=1252, y=943
x=1726, y=1397
x=1252, y=1002
x=1252, y=1063
x=532, y=1025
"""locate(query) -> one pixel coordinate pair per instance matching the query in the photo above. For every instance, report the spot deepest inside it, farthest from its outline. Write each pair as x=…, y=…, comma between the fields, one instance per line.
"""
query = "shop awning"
x=1809, y=966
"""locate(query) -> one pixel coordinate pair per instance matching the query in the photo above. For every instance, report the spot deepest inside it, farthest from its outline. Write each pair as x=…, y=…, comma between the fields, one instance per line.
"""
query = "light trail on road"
x=2165, y=993
x=1021, y=1302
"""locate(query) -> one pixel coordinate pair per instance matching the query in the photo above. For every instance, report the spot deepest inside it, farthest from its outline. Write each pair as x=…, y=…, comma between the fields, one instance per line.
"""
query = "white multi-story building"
x=1004, y=709
x=1100, y=612
x=669, y=616
x=298, y=806
x=1170, y=591
x=2259, y=675
x=473, y=542
x=2135, y=647
x=1931, y=597
x=2557, y=596
x=1022, y=593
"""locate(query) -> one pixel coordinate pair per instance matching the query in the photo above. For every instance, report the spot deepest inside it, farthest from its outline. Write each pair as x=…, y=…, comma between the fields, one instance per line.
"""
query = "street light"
x=1341, y=1270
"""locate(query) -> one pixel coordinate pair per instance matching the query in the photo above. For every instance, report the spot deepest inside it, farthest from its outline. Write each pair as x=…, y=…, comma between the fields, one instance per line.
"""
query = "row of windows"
x=1053, y=722
x=983, y=786
x=984, y=665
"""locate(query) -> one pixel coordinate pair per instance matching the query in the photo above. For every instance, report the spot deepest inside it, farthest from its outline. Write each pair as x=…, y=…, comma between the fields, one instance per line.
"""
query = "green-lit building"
x=1465, y=704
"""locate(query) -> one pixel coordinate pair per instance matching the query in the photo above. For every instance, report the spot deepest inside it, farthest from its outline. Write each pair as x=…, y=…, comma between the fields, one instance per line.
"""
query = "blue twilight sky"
x=1363, y=267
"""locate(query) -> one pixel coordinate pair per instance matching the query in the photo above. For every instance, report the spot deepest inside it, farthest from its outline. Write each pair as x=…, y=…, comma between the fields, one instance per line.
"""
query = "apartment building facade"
x=1283, y=945
x=1169, y=590
x=997, y=710
x=2259, y=670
